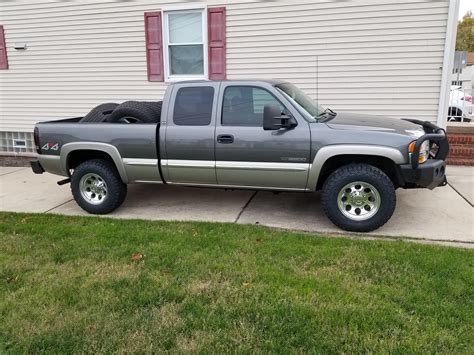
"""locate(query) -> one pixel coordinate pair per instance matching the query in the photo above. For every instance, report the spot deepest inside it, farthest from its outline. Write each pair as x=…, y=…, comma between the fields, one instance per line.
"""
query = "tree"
x=465, y=37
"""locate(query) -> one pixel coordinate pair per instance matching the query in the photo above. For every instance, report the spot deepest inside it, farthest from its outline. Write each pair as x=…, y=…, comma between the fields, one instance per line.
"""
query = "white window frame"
x=166, y=59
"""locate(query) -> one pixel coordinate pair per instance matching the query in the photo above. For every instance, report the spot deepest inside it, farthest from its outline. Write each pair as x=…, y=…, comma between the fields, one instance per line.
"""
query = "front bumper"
x=36, y=167
x=431, y=173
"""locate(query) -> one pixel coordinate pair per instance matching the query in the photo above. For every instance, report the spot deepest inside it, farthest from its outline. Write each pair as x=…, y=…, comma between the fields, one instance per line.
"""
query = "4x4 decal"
x=50, y=146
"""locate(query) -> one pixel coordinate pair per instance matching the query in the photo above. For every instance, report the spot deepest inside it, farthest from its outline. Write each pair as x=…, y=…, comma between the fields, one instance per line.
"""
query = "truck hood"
x=363, y=122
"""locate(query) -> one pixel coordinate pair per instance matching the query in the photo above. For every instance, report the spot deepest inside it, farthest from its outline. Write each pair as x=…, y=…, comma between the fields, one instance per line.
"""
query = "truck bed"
x=132, y=140
x=135, y=143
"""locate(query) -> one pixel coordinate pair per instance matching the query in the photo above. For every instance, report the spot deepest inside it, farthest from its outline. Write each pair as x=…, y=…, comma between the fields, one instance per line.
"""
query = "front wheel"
x=97, y=187
x=358, y=198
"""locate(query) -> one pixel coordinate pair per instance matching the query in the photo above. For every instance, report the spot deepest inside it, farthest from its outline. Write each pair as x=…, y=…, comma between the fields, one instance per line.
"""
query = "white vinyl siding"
x=375, y=57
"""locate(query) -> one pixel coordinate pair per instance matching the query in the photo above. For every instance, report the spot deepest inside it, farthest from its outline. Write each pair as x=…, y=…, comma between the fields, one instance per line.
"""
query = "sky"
x=464, y=7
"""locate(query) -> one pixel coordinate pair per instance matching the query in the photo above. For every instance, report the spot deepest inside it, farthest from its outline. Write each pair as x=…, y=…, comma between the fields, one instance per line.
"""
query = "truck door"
x=189, y=155
x=248, y=156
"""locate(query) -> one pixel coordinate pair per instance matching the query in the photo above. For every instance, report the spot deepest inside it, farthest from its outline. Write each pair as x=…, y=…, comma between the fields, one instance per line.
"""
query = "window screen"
x=243, y=105
x=193, y=106
x=185, y=43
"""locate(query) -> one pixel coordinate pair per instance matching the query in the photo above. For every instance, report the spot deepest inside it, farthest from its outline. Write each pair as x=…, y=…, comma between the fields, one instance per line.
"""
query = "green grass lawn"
x=82, y=284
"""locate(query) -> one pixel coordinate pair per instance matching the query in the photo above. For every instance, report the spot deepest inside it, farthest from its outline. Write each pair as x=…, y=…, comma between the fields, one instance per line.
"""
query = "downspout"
x=448, y=62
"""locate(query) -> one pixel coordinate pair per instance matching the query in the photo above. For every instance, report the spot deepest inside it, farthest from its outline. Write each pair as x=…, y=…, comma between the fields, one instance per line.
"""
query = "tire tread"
x=100, y=112
x=333, y=184
x=139, y=110
x=116, y=189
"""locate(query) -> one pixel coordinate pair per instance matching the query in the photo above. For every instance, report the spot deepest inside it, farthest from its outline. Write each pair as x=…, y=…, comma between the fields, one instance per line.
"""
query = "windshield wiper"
x=326, y=112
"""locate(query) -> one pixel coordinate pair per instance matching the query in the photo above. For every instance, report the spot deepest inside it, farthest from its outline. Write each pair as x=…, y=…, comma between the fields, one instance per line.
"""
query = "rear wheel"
x=97, y=187
x=358, y=198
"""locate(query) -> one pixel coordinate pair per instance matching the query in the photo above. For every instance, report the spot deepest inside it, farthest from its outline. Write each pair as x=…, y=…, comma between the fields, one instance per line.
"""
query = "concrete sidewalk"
x=442, y=215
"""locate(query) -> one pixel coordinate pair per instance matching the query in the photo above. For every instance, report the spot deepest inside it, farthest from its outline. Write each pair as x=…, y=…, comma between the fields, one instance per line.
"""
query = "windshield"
x=308, y=107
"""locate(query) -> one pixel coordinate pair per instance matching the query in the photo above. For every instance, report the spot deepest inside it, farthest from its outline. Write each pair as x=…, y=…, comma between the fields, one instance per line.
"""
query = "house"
x=463, y=71
x=59, y=59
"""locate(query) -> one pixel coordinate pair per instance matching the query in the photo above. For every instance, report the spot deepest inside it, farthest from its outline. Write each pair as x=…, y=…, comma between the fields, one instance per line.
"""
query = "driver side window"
x=243, y=105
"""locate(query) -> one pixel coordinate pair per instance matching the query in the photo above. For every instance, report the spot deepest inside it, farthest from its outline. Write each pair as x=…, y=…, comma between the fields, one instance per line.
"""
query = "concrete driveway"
x=443, y=215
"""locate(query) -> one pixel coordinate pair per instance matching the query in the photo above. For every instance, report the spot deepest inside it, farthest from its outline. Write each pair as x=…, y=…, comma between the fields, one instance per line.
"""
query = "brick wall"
x=461, y=144
x=16, y=160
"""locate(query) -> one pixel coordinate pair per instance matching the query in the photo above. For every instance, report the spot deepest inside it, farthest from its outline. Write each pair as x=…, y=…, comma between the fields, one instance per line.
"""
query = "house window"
x=185, y=47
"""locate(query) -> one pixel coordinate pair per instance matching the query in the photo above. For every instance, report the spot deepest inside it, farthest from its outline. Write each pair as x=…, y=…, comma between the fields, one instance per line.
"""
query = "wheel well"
x=387, y=165
x=77, y=157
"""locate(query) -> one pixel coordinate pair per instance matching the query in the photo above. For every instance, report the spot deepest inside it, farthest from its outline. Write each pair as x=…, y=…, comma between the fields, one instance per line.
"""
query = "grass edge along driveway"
x=84, y=284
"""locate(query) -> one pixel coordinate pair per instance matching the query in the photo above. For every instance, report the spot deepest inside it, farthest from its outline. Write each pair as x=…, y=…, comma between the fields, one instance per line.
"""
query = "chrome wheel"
x=93, y=188
x=358, y=201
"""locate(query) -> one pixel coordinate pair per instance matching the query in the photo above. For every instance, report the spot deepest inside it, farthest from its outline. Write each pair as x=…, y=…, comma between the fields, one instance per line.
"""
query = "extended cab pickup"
x=263, y=135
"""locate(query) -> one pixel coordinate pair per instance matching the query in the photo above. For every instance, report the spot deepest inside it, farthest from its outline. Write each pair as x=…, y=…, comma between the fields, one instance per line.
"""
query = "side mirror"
x=274, y=119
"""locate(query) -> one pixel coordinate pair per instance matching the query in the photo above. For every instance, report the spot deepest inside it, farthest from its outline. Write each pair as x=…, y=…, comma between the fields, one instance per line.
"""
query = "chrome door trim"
x=236, y=165
x=140, y=162
x=264, y=166
x=148, y=182
x=189, y=171
x=240, y=187
x=181, y=163
x=142, y=170
x=233, y=167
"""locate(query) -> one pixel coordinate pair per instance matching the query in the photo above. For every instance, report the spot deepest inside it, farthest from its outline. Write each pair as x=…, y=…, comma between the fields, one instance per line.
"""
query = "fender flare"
x=101, y=147
x=327, y=152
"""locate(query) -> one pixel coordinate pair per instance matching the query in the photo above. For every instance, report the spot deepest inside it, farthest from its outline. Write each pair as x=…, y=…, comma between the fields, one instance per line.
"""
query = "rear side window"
x=193, y=106
x=243, y=105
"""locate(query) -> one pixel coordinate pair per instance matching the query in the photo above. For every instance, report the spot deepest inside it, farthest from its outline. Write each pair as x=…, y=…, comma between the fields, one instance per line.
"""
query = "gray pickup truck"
x=260, y=135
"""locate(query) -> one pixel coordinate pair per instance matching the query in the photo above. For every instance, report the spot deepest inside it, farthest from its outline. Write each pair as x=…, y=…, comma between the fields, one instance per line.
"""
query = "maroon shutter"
x=3, y=50
x=154, y=46
x=216, y=43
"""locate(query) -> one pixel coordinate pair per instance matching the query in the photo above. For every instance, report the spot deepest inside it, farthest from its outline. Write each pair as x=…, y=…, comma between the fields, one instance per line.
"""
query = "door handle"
x=225, y=138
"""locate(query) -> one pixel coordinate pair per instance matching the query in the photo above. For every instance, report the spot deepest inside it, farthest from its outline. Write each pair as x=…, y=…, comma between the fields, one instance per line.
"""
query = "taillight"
x=36, y=139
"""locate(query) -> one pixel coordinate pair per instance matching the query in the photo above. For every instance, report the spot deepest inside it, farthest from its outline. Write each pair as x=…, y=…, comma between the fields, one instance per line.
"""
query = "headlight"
x=424, y=150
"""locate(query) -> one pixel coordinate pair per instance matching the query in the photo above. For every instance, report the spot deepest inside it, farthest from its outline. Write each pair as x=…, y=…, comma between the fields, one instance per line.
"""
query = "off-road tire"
x=116, y=189
x=100, y=113
x=156, y=107
x=138, y=111
x=364, y=173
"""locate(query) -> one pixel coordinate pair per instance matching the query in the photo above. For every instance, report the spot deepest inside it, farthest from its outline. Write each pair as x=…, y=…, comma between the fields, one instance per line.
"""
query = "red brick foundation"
x=16, y=160
x=461, y=144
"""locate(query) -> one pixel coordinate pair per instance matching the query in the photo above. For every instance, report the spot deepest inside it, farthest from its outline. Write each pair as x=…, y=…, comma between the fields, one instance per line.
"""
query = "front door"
x=248, y=156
